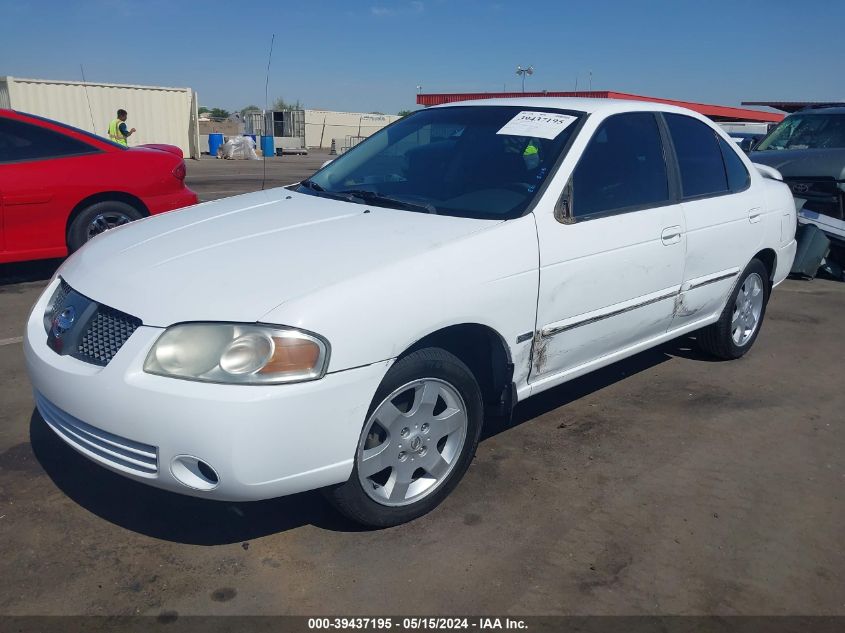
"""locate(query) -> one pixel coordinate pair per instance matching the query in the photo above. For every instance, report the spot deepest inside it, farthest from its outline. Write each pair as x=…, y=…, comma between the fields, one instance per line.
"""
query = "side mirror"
x=326, y=163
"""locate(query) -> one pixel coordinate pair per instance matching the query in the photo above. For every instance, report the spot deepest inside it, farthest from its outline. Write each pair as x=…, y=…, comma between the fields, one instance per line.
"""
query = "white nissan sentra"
x=353, y=332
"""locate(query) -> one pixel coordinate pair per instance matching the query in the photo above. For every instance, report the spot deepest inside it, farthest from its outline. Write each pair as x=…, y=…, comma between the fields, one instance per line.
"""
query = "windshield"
x=807, y=131
x=468, y=161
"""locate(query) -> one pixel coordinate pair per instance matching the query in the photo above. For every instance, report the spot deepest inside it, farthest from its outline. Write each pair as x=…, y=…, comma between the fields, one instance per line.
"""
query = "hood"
x=236, y=259
x=793, y=163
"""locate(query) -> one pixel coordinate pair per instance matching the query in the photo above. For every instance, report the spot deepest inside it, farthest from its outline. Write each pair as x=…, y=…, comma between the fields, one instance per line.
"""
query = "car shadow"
x=22, y=272
x=190, y=520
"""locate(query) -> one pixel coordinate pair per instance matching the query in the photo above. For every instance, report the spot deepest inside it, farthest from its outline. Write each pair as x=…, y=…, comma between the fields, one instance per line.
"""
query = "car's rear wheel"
x=99, y=218
x=420, y=435
x=738, y=326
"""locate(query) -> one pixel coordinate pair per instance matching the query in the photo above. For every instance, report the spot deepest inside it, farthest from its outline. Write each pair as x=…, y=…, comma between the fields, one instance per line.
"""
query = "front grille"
x=106, y=334
x=97, y=331
x=120, y=453
x=813, y=186
x=822, y=195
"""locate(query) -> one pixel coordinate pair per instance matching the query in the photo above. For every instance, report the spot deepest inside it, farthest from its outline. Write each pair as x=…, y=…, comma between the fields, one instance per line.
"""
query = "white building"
x=321, y=126
x=159, y=114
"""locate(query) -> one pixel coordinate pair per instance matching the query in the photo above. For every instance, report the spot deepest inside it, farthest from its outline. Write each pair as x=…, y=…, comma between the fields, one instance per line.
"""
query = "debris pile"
x=818, y=254
x=239, y=148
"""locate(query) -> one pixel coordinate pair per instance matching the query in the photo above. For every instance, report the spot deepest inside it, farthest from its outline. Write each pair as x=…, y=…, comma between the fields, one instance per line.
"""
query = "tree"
x=280, y=104
x=214, y=113
x=404, y=113
x=250, y=108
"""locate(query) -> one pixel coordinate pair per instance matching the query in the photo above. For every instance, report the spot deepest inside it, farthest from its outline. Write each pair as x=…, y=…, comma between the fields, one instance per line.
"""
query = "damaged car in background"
x=354, y=332
x=808, y=149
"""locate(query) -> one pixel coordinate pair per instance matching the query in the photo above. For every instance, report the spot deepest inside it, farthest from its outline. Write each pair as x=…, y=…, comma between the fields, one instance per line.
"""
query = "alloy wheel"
x=748, y=308
x=412, y=442
x=102, y=222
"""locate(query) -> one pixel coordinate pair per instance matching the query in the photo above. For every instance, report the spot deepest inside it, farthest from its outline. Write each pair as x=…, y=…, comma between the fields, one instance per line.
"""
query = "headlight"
x=235, y=353
x=55, y=299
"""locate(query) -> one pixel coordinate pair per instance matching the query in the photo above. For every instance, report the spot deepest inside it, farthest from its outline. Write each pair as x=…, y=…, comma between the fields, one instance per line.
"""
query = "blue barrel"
x=214, y=143
x=267, y=145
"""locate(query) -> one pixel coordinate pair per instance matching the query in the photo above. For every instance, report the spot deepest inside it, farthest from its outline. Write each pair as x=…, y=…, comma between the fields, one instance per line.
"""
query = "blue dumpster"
x=267, y=146
x=214, y=143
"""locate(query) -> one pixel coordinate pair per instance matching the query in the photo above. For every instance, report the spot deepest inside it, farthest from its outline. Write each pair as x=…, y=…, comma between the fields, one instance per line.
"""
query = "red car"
x=61, y=186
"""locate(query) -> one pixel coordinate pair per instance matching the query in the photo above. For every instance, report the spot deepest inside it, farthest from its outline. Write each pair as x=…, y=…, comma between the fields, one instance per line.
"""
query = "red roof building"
x=715, y=112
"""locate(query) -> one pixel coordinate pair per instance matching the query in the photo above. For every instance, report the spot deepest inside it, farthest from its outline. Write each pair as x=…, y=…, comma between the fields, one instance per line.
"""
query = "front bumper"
x=262, y=441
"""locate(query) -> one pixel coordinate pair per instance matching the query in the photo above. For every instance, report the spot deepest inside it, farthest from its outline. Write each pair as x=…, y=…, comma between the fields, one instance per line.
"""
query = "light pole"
x=524, y=71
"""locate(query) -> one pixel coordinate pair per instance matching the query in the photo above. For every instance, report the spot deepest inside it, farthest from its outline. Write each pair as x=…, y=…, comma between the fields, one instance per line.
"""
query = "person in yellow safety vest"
x=531, y=155
x=117, y=129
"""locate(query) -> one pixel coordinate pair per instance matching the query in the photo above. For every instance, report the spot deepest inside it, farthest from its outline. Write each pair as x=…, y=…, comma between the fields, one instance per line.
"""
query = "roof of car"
x=817, y=110
x=604, y=106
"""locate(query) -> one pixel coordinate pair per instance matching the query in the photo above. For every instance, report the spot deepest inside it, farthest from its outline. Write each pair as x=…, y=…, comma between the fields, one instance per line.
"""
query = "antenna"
x=266, y=107
x=85, y=87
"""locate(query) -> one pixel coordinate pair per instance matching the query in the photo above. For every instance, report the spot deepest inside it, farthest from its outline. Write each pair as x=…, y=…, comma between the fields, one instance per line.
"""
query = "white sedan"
x=352, y=332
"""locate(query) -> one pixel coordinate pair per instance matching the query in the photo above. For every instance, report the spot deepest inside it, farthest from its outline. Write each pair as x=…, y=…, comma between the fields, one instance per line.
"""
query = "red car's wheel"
x=98, y=218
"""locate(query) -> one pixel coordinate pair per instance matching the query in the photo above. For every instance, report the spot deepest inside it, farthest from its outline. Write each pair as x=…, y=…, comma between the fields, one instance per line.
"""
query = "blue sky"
x=371, y=56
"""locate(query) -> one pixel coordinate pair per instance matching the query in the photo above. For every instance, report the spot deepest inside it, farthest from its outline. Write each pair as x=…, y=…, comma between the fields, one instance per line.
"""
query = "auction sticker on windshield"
x=537, y=124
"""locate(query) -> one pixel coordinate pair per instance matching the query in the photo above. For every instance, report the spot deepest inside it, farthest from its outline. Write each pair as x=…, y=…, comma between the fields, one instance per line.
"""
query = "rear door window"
x=699, y=157
x=622, y=167
x=21, y=141
x=738, y=178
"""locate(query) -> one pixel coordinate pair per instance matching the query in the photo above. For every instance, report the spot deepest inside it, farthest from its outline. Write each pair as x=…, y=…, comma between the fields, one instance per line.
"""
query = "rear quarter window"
x=738, y=177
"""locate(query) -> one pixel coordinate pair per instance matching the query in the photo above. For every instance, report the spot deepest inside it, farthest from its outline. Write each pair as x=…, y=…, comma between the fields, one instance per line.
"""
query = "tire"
x=403, y=466
x=98, y=218
x=736, y=330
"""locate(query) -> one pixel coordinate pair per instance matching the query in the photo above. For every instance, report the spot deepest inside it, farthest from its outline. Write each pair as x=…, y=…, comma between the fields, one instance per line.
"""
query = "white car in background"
x=352, y=332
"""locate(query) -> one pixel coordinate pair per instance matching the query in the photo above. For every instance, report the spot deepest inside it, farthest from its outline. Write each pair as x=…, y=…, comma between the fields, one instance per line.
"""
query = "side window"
x=699, y=157
x=738, y=178
x=21, y=141
x=622, y=166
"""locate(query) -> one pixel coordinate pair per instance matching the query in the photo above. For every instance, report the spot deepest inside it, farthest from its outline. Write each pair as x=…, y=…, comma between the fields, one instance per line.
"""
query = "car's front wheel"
x=420, y=435
x=98, y=218
x=739, y=324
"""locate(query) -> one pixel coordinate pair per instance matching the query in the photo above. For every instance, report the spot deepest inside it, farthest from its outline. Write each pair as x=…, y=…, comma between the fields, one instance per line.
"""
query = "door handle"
x=671, y=235
x=754, y=215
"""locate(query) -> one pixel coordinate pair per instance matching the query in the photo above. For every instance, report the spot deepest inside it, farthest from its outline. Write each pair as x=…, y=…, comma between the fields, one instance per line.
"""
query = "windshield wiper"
x=310, y=184
x=319, y=191
x=380, y=199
